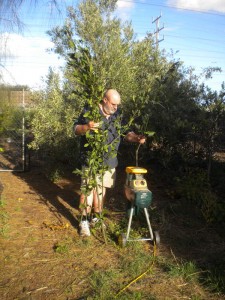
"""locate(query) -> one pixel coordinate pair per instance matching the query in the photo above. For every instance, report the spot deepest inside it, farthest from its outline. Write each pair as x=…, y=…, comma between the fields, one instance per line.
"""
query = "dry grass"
x=43, y=257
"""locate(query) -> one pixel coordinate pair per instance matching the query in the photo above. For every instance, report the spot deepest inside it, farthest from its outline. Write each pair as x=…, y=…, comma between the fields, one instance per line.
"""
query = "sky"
x=193, y=30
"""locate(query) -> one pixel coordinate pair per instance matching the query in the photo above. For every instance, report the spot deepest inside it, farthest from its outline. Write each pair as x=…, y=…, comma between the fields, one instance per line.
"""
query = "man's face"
x=110, y=104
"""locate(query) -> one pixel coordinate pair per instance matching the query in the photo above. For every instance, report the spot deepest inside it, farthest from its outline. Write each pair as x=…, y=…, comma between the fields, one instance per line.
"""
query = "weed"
x=132, y=261
x=3, y=216
x=196, y=189
x=2, y=203
x=135, y=260
x=114, y=229
x=55, y=175
x=61, y=248
x=102, y=283
x=18, y=208
x=4, y=230
x=187, y=270
x=7, y=258
x=84, y=243
x=215, y=278
x=32, y=239
x=196, y=297
x=134, y=295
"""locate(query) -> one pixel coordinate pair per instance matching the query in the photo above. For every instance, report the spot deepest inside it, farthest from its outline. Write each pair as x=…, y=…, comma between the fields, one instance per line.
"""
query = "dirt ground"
x=41, y=224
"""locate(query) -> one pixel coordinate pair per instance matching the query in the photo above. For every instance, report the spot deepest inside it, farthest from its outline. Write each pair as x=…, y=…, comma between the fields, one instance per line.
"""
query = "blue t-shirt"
x=111, y=125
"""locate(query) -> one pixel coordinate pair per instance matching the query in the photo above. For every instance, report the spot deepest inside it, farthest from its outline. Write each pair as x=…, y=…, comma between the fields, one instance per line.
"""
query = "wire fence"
x=13, y=155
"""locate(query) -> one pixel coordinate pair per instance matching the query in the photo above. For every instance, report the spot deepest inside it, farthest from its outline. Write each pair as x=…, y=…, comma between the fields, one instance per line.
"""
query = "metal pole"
x=129, y=223
x=23, y=133
x=148, y=222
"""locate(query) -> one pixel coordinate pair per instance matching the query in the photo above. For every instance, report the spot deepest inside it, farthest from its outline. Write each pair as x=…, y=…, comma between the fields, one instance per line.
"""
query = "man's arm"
x=81, y=129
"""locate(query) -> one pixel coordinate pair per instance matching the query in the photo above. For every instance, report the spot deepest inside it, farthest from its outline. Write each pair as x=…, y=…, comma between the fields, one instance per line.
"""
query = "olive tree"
x=50, y=122
x=211, y=127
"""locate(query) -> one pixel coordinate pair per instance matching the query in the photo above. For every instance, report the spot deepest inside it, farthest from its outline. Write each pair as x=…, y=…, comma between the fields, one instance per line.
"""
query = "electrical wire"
x=175, y=7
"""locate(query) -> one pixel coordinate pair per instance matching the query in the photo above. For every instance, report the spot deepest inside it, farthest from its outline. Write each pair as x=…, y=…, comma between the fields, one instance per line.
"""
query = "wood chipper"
x=139, y=198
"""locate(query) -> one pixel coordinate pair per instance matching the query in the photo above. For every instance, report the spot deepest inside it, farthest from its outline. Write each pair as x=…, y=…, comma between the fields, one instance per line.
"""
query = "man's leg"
x=85, y=209
x=99, y=198
x=86, y=203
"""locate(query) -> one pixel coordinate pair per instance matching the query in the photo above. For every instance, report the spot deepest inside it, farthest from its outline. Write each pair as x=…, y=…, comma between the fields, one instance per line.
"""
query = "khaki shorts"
x=108, y=178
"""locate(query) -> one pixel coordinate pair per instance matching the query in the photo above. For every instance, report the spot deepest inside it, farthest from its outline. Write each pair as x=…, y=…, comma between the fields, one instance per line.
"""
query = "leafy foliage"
x=195, y=188
x=51, y=121
x=160, y=94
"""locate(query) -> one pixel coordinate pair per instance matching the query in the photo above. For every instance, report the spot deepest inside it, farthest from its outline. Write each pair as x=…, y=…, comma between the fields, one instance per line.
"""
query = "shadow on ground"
x=184, y=234
x=61, y=197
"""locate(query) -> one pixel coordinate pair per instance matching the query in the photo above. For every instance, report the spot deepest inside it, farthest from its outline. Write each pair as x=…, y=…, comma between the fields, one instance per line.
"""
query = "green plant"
x=4, y=217
x=196, y=190
x=99, y=148
x=61, y=248
x=214, y=278
x=115, y=228
x=196, y=297
x=103, y=283
x=215, y=282
x=104, y=286
x=2, y=203
x=18, y=208
x=179, y=268
x=55, y=175
x=187, y=270
x=4, y=230
x=135, y=259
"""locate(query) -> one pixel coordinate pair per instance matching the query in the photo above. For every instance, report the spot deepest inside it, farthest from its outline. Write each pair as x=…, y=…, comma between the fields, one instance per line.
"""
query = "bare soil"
x=43, y=257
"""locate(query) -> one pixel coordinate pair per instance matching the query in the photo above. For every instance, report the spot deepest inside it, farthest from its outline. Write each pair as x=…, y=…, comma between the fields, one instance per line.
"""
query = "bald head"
x=110, y=102
x=112, y=95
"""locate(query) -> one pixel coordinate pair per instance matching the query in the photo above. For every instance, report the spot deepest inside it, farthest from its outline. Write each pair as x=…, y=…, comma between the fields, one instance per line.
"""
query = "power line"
x=196, y=38
x=175, y=7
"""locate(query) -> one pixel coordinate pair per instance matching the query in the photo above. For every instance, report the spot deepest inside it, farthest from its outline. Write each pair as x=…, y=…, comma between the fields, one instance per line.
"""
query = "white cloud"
x=27, y=59
x=124, y=9
x=200, y=5
x=169, y=29
x=125, y=4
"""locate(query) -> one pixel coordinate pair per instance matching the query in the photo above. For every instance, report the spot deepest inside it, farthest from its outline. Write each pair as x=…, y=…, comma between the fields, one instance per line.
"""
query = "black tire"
x=122, y=240
x=156, y=238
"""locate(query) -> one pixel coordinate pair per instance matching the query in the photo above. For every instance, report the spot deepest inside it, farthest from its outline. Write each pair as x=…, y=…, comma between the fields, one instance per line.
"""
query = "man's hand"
x=93, y=126
x=141, y=139
x=135, y=138
x=82, y=129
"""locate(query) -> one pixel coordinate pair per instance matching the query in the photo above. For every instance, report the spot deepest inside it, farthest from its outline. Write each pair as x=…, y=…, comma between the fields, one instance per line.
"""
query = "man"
x=108, y=108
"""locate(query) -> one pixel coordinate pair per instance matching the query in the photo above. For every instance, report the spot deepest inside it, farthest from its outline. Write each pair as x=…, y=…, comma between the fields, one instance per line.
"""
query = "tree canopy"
x=159, y=92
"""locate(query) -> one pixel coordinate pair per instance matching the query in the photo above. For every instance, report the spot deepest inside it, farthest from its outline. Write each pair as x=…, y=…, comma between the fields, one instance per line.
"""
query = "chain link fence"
x=13, y=152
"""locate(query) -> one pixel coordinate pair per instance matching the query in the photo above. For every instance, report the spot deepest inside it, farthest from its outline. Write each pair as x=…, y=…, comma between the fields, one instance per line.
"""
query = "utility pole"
x=156, y=33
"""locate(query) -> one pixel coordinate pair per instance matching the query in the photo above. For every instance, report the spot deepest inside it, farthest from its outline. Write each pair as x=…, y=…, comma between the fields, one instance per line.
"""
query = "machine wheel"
x=122, y=240
x=156, y=238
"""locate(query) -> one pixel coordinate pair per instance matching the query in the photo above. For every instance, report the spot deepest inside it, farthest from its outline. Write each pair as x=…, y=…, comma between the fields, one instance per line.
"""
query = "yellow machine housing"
x=136, y=189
